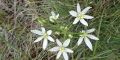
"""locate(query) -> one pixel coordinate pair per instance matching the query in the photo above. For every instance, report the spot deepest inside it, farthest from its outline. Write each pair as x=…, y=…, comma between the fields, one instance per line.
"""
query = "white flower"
x=62, y=49
x=85, y=36
x=43, y=35
x=80, y=15
x=53, y=17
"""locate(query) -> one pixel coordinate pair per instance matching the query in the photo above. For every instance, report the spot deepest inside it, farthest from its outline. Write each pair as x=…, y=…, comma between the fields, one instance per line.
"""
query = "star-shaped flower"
x=85, y=36
x=80, y=15
x=53, y=17
x=43, y=35
x=62, y=49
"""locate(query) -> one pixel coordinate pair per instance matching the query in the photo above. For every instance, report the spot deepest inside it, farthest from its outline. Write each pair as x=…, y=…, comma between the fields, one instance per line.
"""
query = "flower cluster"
x=80, y=15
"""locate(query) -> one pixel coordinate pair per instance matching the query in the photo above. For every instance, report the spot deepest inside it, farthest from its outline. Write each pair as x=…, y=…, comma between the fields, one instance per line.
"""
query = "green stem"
x=98, y=35
x=72, y=57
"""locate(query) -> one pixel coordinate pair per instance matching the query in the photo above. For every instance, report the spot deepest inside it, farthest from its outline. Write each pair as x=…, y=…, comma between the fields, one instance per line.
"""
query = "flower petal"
x=73, y=13
x=36, y=32
x=43, y=29
x=38, y=39
x=59, y=54
x=87, y=17
x=45, y=42
x=53, y=14
x=80, y=40
x=88, y=43
x=92, y=37
x=78, y=8
x=57, y=16
x=85, y=10
x=68, y=50
x=50, y=38
x=90, y=30
x=54, y=49
x=58, y=42
x=76, y=20
x=51, y=18
x=65, y=55
x=83, y=22
x=66, y=43
x=83, y=31
x=49, y=32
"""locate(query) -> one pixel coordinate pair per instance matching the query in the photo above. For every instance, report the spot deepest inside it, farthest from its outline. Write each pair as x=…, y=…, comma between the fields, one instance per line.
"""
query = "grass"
x=17, y=18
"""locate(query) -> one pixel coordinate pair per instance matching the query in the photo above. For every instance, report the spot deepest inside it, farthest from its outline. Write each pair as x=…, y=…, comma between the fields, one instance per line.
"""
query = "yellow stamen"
x=61, y=48
x=80, y=15
x=44, y=35
x=84, y=34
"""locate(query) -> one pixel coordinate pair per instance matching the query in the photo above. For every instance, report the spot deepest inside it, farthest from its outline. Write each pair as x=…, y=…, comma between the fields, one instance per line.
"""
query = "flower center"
x=62, y=48
x=84, y=34
x=44, y=35
x=80, y=15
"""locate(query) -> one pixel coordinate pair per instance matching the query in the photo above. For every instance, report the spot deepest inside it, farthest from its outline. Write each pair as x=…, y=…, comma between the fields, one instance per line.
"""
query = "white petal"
x=59, y=54
x=38, y=39
x=45, y=42
x=76, y=20
x=53, y=14
x=78, y=8
x=80, y=40
x=83, y=22
x=73, y=13
x=87, y=17
x=51, y=18
x=43, y=29
x=90, y=30
x=92, y=37
x=54, y=49
x=36, y=32
x=49, y=32
x=83, y=31
x=85, y=10
x=65, y=55
x=68, y=50
x=58, y=42
x=57, y=16
x=88, y=43
x=66, y=43
x=50, y=38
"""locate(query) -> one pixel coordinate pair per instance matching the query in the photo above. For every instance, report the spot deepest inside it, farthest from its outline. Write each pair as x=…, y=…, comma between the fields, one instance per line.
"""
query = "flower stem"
x=72, y=57
x=97, y=35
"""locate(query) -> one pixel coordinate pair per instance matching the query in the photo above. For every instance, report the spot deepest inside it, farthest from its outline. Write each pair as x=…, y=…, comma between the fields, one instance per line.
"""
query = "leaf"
x=41, y=20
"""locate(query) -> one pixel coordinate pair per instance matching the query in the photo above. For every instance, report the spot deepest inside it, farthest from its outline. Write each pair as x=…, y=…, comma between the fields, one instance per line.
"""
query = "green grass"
x=16, y=40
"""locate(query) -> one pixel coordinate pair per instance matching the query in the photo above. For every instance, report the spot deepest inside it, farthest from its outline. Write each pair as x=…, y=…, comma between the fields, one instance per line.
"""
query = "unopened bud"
x=70, y=35
x=57, y=33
